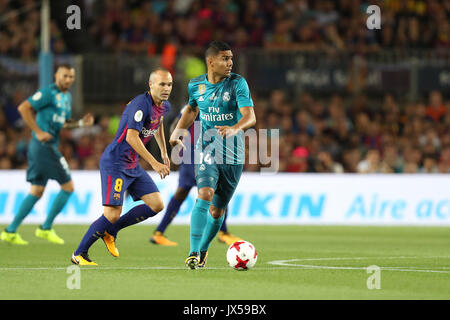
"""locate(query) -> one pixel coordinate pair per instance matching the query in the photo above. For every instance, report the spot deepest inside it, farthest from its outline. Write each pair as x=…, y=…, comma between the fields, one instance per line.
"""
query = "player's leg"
x=10, y=234
x=114, y=183
x=227, y=183
x=206, y=179
x=199, y=218
x=186, y=180
x=224, y=235
x=213, y=222
x=142, y=188
x=224, y=227
x=96, y=231
x=38, y=157
x=172, y=210
x=46, y=231
x=153, y=205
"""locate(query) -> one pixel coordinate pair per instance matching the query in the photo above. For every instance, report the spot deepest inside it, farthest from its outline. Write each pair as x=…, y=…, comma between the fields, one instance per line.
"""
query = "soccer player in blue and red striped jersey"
x=120, y=170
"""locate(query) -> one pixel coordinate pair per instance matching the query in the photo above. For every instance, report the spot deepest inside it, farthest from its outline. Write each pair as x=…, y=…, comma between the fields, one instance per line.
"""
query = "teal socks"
x=25, y=208
x=198, y=222
x=211, y=229
x=58, y=204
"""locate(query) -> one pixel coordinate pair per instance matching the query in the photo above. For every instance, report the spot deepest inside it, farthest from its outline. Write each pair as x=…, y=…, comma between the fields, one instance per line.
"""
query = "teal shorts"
x=223, y=178
x=46, y=162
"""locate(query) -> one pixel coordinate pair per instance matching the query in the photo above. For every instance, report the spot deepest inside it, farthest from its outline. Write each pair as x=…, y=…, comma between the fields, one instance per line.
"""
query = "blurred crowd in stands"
x=336, y=134
x=165, y=26
x=332, y=136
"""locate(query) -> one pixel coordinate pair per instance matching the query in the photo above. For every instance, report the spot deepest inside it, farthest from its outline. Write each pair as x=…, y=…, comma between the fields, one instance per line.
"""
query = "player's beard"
x=164, y=97
x=62, y=86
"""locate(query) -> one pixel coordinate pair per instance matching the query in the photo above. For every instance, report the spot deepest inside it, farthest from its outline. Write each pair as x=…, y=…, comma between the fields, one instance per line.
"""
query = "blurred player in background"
x=47, y=112
x=186, y=181
x=120, y=170
x=226, y=109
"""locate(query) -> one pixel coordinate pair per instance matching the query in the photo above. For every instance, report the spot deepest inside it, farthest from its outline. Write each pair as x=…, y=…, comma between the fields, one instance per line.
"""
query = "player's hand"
x=162, y=169
x=43, y=136
x=226, y=131
x=88, y=120
x=166, y=160
x=175, y=137
x=174, y=142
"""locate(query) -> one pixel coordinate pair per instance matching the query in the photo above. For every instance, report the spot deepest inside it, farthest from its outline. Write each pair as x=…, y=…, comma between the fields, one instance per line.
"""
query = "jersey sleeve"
x=40, y=99
x=192, y=101
x=69, y=113
x=136, y=115
x=243, y=97
x=167, y=108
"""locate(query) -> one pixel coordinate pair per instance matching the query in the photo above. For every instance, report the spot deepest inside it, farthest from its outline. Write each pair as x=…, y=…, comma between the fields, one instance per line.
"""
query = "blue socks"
x=27, y=205
x=224, y=227
x=172, y=209
x=95, y=231
x=211, y=229
x=133, y=216
x=99, y=226
x=58, y=204
x=199, y=217
x=25, y=208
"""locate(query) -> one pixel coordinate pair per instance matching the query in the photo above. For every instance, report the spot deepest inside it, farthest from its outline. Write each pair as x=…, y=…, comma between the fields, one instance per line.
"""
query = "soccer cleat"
x=49, y=235
x=203, y=258
x=110, y=243
x=228, y=238
x=159, y=238
x=13, y=238
x=82, y=260
x=192, y=261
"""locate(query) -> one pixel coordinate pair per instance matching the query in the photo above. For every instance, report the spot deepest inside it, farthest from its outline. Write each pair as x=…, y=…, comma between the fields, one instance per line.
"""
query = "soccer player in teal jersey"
x=226, y=109
x=46, y=113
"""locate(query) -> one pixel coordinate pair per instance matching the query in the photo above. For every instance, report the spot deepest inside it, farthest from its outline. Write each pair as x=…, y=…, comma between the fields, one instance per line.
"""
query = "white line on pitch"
x=288, y=262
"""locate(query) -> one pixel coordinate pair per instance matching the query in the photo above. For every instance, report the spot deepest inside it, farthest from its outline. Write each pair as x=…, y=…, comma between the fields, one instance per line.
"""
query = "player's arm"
x=173, y=125
x=248, y=120
x=186, y=120
x=27, y=112
x=161, y=140
x=135, y=142
x=86, y=121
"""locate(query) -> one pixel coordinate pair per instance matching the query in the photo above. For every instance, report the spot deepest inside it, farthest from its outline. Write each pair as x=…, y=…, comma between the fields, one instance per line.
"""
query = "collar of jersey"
x=214, y=84
x=153, y=104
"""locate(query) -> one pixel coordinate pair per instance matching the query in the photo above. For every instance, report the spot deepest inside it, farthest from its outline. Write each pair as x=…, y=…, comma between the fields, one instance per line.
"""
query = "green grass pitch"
x=294, y=262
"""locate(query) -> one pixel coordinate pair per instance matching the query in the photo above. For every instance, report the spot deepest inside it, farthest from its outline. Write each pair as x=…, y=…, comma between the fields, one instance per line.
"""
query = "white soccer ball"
x=242, y=255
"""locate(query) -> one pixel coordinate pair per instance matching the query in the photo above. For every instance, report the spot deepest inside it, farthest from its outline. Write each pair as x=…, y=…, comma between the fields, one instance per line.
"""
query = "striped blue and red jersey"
x=142, y=115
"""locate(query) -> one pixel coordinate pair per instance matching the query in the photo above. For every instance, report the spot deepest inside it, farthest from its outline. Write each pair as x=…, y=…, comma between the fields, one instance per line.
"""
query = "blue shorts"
x=186, y=177
x=46, y=162
x=223, y=178
x=115, y=182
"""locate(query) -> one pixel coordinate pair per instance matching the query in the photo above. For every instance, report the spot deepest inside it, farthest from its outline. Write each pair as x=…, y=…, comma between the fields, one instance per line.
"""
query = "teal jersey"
x=219, y=106
x=53, y=107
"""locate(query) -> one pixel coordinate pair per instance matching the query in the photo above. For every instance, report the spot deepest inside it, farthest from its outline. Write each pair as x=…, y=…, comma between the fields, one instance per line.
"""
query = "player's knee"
x=68, y=187
x=216, y=213
x=112, y=213
x=112, y=217
x=37, y=191
x=206, y=194
x=157, y=206
x=181, y=194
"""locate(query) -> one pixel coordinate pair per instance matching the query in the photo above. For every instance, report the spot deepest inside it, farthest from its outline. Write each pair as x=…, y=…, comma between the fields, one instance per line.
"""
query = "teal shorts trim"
x=222, y=178
x=46, y=162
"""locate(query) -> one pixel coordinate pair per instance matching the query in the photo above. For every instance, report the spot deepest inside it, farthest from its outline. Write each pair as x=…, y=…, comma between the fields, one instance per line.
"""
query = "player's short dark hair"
x=215, y=47
x=67, y=66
